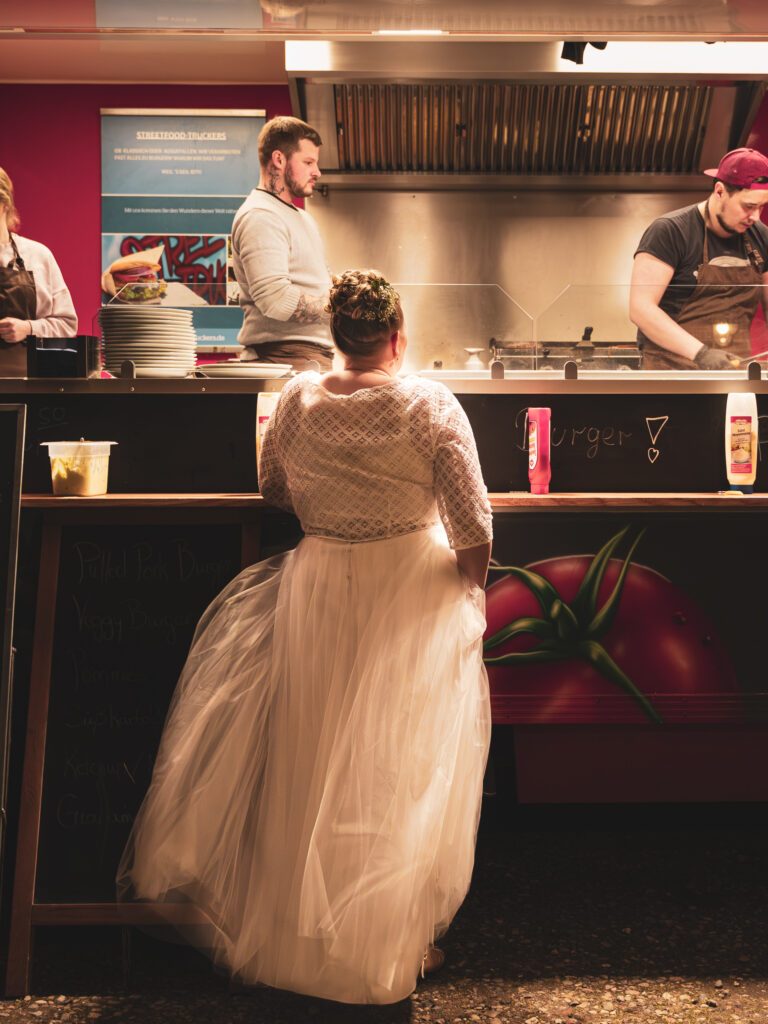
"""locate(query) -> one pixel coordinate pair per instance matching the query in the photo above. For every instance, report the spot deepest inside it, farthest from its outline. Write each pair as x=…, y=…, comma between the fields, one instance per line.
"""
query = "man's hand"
x=13, y=330
x=714, y=359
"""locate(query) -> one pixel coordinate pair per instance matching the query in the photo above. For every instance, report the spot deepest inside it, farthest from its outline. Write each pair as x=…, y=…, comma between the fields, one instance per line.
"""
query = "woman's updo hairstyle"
x=6, y=198
x=365, y=311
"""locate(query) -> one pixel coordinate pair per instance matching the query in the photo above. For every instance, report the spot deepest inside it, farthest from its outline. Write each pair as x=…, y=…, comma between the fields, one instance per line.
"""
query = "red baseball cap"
x=744, y=168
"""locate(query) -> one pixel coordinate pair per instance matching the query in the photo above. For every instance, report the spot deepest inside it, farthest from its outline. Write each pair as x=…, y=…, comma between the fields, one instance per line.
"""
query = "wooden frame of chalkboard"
x=82, y=557
x=12, y=428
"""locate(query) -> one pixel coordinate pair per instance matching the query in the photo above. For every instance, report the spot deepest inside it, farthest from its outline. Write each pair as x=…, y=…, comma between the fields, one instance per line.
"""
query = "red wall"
x=50, y=146
x=758, y=136
x=758, y=139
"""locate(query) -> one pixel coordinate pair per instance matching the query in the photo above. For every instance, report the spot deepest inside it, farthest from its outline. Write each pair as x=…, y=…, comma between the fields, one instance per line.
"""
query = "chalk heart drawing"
x=653, y=454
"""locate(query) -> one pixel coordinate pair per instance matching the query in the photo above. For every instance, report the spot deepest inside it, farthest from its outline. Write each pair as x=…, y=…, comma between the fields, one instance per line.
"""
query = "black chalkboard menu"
x=129, y=598
x=637, y=441
x=612, y=443
x=12, y=422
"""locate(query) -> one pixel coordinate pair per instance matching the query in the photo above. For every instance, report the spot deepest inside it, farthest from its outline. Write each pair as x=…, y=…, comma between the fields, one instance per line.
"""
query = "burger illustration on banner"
x=135, y=278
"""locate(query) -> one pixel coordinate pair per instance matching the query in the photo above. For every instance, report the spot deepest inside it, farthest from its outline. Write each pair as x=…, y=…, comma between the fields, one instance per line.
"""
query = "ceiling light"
x=674, y=58
x=307, y=55
x=410, y=32
x=575, y=51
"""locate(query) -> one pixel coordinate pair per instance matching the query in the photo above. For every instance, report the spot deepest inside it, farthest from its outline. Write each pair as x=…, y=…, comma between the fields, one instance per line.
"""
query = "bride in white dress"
x=317, y=789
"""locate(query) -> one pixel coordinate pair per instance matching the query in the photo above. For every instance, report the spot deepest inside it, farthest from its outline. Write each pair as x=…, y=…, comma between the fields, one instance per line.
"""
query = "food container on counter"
x=79, y=467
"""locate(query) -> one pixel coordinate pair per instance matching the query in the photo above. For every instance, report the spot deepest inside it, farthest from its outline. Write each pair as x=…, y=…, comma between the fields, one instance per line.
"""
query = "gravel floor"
x=565, y=924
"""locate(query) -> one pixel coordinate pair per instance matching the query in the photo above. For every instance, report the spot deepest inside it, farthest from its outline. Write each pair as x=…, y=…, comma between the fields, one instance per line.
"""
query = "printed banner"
x=184, y=14
x=175, y=179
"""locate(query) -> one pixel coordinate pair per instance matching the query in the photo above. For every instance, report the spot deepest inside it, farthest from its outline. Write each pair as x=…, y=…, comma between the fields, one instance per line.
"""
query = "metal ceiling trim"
x=388, y=181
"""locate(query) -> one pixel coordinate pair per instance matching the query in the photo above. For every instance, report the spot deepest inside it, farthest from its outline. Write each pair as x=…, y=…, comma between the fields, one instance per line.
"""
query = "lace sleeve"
x=273, y=482
x=462, y=498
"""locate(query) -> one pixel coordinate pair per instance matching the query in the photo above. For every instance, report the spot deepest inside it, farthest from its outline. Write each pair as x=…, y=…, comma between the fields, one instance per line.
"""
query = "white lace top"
x=378, y=463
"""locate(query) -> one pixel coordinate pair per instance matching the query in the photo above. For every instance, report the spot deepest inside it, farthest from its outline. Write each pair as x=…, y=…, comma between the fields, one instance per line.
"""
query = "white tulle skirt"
x=318, y=785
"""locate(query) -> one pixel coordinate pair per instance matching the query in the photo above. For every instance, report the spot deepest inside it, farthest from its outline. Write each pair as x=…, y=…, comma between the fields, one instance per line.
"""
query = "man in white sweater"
x=278, y=255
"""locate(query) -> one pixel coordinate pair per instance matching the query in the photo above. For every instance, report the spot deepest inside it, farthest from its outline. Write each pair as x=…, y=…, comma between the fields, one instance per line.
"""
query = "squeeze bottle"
x=741, y=441
x=539, y=471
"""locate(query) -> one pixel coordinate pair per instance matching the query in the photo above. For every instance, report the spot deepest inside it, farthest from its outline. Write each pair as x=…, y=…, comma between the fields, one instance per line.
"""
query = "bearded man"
x=278, y=255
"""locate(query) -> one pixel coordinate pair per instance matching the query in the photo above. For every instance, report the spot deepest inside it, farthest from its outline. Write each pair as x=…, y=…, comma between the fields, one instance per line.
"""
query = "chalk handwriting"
x=655, y=425
x=589, y=439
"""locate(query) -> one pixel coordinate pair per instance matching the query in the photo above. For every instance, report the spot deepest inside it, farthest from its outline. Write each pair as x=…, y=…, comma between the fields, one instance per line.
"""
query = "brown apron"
x=17, y=299
x=730, y=295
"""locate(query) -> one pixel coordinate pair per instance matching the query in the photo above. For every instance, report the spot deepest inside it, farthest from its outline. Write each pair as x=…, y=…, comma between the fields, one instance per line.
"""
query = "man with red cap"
x=700, y=272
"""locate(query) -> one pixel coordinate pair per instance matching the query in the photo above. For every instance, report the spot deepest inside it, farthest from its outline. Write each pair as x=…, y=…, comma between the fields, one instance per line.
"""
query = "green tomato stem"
x=538, y=627
x=599, y=658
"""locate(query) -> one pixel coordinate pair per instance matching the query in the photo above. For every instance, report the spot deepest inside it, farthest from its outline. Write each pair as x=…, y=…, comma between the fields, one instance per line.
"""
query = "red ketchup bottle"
x=539, y=470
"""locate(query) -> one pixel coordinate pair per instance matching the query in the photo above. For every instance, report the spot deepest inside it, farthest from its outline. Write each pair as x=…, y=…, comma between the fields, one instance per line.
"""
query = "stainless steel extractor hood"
x=458, y=115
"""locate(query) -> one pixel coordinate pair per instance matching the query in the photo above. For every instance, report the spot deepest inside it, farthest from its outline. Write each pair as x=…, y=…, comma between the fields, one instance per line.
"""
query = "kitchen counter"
x=500, y=502
x=625, y=434
x=542, y=382
x=113, y=585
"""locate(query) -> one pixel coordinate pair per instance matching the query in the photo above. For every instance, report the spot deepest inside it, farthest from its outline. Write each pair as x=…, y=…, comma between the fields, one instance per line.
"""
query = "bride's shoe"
x=434, y=959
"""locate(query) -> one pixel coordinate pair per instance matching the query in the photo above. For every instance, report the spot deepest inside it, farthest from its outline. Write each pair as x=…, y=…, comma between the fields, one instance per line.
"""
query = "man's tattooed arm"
x=310, y=310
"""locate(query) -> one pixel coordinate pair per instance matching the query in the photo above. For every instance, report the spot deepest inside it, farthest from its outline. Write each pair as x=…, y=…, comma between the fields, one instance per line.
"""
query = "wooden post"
x=20, y=950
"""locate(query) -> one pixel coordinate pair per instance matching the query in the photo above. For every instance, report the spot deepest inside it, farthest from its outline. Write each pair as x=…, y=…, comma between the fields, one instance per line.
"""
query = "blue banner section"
x=141, y=214
x=186, y=14
x=184, y=154
x=176, y=180
x=217, y=327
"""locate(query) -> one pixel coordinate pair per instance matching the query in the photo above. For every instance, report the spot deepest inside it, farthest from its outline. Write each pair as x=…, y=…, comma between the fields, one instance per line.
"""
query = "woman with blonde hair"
x=34, y=300
x=318, y=784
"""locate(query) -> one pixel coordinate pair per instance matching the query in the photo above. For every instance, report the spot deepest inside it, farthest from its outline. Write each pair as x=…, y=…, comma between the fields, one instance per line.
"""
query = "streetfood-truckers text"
x=199, y=136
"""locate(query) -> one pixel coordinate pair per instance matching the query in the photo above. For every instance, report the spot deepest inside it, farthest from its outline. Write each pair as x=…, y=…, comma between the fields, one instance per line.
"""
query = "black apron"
x=18, y=299
x=730, y=296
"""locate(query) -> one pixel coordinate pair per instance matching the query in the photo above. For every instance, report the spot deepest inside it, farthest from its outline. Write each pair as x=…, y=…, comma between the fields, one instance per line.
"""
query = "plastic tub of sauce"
x=79, y=467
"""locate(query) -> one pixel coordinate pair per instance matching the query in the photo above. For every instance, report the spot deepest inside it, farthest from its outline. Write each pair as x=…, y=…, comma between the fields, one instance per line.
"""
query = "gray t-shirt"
x=677, y=239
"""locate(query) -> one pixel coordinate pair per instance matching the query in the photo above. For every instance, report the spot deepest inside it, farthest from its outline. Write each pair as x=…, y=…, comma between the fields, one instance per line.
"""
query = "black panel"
x=206, y=443
x=166, y=443
x=129, y=598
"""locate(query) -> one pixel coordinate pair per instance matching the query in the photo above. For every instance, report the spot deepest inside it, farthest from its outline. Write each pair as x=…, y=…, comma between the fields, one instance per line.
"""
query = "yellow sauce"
x=78, y=475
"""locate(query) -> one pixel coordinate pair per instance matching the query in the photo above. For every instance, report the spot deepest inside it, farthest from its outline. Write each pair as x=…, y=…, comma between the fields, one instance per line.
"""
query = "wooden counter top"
x=522, y=499
x=98, y=501
x=500, y=502
x=537, y=383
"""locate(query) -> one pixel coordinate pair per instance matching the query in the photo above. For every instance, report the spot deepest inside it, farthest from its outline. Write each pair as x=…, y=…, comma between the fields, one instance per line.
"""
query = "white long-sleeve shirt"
x=277, y=255
x=55, y=315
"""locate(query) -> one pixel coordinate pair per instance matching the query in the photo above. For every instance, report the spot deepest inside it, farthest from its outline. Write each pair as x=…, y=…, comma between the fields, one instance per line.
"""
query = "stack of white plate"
x=159, y=340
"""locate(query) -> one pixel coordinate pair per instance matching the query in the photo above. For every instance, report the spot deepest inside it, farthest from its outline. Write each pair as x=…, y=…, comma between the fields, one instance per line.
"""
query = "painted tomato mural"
x=595, y=638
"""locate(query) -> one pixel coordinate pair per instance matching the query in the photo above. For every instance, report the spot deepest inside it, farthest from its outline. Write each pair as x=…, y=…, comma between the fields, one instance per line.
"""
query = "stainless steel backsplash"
x=476, y=265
